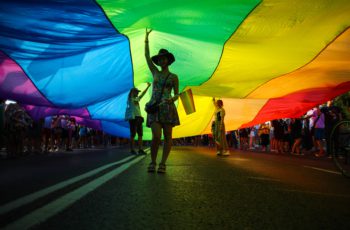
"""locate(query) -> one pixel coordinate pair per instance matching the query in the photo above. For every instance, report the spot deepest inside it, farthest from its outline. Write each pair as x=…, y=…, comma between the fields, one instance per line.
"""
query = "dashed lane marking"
x=41, y=193
x=40, y=215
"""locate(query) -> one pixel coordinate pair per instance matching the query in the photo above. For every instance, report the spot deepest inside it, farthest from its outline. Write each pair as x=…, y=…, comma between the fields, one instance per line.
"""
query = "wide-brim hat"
x=135, y=89
x=162, y=53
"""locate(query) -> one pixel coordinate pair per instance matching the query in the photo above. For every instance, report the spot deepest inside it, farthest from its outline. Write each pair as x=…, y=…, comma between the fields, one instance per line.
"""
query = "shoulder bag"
x=152, y=108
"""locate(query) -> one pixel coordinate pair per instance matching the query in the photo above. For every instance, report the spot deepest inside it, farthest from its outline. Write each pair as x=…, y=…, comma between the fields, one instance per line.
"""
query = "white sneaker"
x=226, y=153
x=218, y=153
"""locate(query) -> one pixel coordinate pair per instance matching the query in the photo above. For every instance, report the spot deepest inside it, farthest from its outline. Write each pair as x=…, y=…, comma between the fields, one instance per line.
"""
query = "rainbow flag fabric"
x=265, y=59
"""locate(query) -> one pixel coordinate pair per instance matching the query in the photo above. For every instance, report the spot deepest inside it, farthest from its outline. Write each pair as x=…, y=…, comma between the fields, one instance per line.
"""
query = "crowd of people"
x=309, y=134
x=21, y=135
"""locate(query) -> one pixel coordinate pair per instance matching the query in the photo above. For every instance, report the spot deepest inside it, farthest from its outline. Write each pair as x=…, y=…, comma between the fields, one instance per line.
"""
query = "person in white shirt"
x=134, y=116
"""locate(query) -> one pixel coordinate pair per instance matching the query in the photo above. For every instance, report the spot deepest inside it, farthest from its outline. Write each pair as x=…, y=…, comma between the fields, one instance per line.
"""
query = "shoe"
x=161, y=168
x=319, y=155
x=133, y=152
x=226, y=153
x=218, y=153
x=142, y=152
x=151, y=167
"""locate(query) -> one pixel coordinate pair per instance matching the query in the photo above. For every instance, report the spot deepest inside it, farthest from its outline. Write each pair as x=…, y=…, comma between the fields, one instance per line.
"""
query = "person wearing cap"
x=166, y=117
x=134, y=116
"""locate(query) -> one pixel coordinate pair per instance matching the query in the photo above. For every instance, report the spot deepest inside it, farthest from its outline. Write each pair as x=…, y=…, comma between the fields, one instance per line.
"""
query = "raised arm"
x=150, y=64
x=214, y=102
x=144, y=92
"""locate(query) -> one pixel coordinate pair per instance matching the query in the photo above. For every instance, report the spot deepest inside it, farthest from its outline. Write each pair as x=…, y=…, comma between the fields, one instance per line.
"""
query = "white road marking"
x=40, y=215
x=323, y=170
x=36, y=195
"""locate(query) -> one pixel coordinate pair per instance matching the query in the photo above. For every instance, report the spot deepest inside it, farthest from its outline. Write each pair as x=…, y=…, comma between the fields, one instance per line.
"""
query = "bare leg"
x=273, y=144
x=52, y=141
x=297, y=148
x=218, y=147
x=70, y=133
x=280, y=146
x=168, y=132
x=46, y=136
x=314, y=142
x=320, y=146
x=132, y=142
x=294, y=146
x=140, y=142
x=156, y=134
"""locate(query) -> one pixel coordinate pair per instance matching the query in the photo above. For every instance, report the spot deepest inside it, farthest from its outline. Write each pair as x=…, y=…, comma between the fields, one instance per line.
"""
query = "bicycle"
x=340, y=146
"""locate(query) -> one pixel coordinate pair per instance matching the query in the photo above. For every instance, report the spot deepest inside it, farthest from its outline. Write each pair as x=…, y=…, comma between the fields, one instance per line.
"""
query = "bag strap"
x=163, y=86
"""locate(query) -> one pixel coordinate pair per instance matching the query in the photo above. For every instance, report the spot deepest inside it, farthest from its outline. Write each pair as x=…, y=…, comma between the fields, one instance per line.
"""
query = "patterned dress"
x=167, y=113
x=219, y=129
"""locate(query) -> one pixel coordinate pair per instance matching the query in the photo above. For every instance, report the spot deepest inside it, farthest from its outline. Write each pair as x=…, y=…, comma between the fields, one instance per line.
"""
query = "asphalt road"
x=199, y=191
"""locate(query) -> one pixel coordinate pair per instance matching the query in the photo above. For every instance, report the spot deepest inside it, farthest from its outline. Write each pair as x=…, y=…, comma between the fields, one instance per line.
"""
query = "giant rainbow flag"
x=266, y=59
